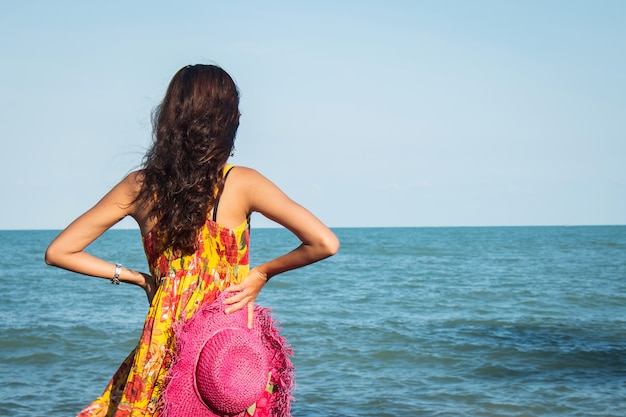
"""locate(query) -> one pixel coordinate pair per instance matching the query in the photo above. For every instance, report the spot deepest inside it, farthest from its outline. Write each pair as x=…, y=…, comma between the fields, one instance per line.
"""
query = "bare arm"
x=317, y=240
x=67, y=249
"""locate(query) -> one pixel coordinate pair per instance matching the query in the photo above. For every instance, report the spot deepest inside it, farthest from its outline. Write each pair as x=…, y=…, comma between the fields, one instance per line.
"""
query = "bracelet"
x=116, y=278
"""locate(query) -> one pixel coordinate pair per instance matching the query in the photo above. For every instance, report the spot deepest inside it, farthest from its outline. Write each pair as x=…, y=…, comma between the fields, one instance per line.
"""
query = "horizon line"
x=362, y=227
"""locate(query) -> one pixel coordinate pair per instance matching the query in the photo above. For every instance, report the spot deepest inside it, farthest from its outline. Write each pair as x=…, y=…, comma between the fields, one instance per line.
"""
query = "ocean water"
x=495, y=321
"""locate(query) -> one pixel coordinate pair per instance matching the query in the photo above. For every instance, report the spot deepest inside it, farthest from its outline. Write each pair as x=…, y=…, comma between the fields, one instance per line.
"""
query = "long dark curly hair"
x=194, y=132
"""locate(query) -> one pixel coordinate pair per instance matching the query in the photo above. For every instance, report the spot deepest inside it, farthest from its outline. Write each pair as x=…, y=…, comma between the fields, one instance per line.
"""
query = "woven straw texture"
x=231, y=371
x=230, y=364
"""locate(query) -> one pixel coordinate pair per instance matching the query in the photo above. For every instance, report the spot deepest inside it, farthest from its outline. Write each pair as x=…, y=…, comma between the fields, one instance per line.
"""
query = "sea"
x=448, y=321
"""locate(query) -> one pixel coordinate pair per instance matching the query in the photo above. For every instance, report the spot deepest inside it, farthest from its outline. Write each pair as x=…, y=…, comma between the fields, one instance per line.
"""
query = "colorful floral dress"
x=185, y=283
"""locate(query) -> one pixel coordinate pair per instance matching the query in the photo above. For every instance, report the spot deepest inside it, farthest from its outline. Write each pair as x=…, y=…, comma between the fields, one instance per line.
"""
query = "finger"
x=250, y=315
x=233, y=288
x=235, y=307
x=233, y=299
x=237, y=291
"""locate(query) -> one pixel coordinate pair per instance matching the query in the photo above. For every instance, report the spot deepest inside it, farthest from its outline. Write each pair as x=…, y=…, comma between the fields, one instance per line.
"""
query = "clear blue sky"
x=386, y=113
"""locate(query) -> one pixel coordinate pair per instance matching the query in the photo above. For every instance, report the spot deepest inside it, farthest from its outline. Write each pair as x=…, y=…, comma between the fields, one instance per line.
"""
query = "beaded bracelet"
x=116, y=278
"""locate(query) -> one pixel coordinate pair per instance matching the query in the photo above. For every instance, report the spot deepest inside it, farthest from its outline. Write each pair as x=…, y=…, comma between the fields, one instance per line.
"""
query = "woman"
x=193, y=212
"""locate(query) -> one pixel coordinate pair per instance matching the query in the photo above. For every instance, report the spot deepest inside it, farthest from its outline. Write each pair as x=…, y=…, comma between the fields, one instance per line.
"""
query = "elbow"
x=330, y=245
x=51, y=257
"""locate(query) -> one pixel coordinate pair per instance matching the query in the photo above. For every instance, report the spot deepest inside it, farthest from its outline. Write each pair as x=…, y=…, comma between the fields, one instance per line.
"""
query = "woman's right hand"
x=149, y=286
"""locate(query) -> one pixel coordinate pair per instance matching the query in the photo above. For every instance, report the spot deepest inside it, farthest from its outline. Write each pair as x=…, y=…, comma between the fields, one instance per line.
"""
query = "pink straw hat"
x=221, y=368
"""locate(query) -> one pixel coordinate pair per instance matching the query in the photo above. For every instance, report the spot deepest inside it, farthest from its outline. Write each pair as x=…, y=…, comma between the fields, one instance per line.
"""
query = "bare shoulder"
x=247, y=180
x=134, y=180
x=264, y=197
x=250, y=177
x=129, y=187
x=250, y=188
x=245, y=173
x=124, y=194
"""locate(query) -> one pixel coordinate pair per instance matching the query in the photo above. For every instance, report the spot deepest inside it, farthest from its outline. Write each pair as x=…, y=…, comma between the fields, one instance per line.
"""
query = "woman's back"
x=194, y=225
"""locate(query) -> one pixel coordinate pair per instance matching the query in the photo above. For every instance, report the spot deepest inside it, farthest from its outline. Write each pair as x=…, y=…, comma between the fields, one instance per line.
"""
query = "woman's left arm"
x=67, y=249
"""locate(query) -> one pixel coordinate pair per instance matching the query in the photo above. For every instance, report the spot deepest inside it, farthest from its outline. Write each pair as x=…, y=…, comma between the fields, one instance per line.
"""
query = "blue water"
x=519, y=321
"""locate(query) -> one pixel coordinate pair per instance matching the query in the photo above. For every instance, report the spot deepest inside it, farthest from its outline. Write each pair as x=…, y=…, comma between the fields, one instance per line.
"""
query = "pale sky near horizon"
x=394, y=113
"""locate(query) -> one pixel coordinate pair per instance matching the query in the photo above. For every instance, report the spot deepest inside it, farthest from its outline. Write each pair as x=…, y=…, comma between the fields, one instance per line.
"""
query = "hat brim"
x=180, y=398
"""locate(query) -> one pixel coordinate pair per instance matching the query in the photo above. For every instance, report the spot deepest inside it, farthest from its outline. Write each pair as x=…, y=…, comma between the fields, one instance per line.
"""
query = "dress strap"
x=228, y=168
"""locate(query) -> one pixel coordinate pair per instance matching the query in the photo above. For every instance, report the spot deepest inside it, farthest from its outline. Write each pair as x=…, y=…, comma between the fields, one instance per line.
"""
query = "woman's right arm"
x=67, y=250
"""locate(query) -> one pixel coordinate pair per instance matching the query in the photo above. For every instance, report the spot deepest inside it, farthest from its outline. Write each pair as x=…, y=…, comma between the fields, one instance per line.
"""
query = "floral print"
x=185, y=283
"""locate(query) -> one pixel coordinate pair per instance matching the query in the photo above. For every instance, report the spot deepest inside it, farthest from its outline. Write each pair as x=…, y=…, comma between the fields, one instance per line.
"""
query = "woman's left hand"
x=246, y=294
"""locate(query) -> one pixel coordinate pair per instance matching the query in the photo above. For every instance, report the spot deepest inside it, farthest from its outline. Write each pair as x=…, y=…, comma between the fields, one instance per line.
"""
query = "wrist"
x=116, y=275
x=261, y=275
